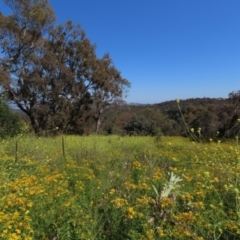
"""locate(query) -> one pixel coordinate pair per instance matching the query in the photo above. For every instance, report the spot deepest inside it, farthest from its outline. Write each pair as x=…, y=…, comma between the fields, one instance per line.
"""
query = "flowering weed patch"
x=119, y=188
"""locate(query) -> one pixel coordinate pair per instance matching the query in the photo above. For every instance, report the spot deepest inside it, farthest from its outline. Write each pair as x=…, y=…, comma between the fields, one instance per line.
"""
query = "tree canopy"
x=52, y=73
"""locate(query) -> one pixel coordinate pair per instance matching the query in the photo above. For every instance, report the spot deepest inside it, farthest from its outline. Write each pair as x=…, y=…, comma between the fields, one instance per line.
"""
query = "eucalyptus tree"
x=111, y=89
x=21, y=33
x=52, y=72
x=61, y=77
x=21, y=39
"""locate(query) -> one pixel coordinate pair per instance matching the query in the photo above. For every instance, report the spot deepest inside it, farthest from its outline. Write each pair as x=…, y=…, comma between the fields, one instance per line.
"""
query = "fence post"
x=63, y=148
x=16, y=152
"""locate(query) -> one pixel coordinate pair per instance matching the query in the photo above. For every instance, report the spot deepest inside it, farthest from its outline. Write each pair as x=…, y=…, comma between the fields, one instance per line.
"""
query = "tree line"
x=51, y=72
x=215, y=118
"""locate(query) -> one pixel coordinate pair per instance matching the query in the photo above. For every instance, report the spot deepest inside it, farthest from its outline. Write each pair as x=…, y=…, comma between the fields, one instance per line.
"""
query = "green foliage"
x=210, y=130
x=10, y=122
x=217, y=118
x=140, y=125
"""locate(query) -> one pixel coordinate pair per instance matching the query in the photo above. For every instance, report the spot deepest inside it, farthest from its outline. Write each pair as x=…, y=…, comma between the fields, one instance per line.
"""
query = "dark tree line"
x=217, y=118
x=52, y=72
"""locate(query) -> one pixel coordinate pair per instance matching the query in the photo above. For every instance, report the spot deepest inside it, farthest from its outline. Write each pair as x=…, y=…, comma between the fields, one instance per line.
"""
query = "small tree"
x=10, y=122
x=140, y=125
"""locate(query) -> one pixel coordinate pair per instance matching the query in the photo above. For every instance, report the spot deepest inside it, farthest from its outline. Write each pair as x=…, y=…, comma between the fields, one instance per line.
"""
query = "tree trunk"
x=98, y=120
x=34, y=124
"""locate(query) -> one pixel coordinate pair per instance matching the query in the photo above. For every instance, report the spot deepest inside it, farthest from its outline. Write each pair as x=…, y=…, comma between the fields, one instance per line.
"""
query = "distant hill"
x=196, y=102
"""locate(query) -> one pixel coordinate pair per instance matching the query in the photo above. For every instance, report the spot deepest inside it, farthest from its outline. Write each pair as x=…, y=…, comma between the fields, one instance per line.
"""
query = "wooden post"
x=16, y=152
x=63, y=148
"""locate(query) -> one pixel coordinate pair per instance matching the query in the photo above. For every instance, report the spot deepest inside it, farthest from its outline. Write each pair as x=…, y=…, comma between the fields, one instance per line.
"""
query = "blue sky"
x=167, y=49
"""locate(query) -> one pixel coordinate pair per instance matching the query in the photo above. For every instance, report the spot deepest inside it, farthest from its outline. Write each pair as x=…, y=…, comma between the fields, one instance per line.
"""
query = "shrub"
x=140, y=125
x=10, y=123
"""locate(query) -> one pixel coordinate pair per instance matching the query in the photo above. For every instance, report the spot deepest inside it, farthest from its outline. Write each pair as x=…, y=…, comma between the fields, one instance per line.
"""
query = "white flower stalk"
x=168, y=187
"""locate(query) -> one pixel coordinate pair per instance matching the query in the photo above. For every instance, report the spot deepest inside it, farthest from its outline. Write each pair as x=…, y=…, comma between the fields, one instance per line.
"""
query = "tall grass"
x=118, y=188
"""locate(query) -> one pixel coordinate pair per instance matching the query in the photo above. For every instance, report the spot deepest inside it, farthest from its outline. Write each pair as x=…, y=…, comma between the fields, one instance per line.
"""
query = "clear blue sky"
x=167, y=49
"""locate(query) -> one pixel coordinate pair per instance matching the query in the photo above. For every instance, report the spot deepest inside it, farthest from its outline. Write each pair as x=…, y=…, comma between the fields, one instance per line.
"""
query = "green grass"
x=111, y=187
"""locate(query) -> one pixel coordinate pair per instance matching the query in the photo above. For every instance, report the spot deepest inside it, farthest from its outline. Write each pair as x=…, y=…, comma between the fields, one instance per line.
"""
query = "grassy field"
x=110, y=187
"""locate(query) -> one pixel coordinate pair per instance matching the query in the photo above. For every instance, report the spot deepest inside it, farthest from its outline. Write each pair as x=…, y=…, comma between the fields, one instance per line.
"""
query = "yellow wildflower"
x=130, y=213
